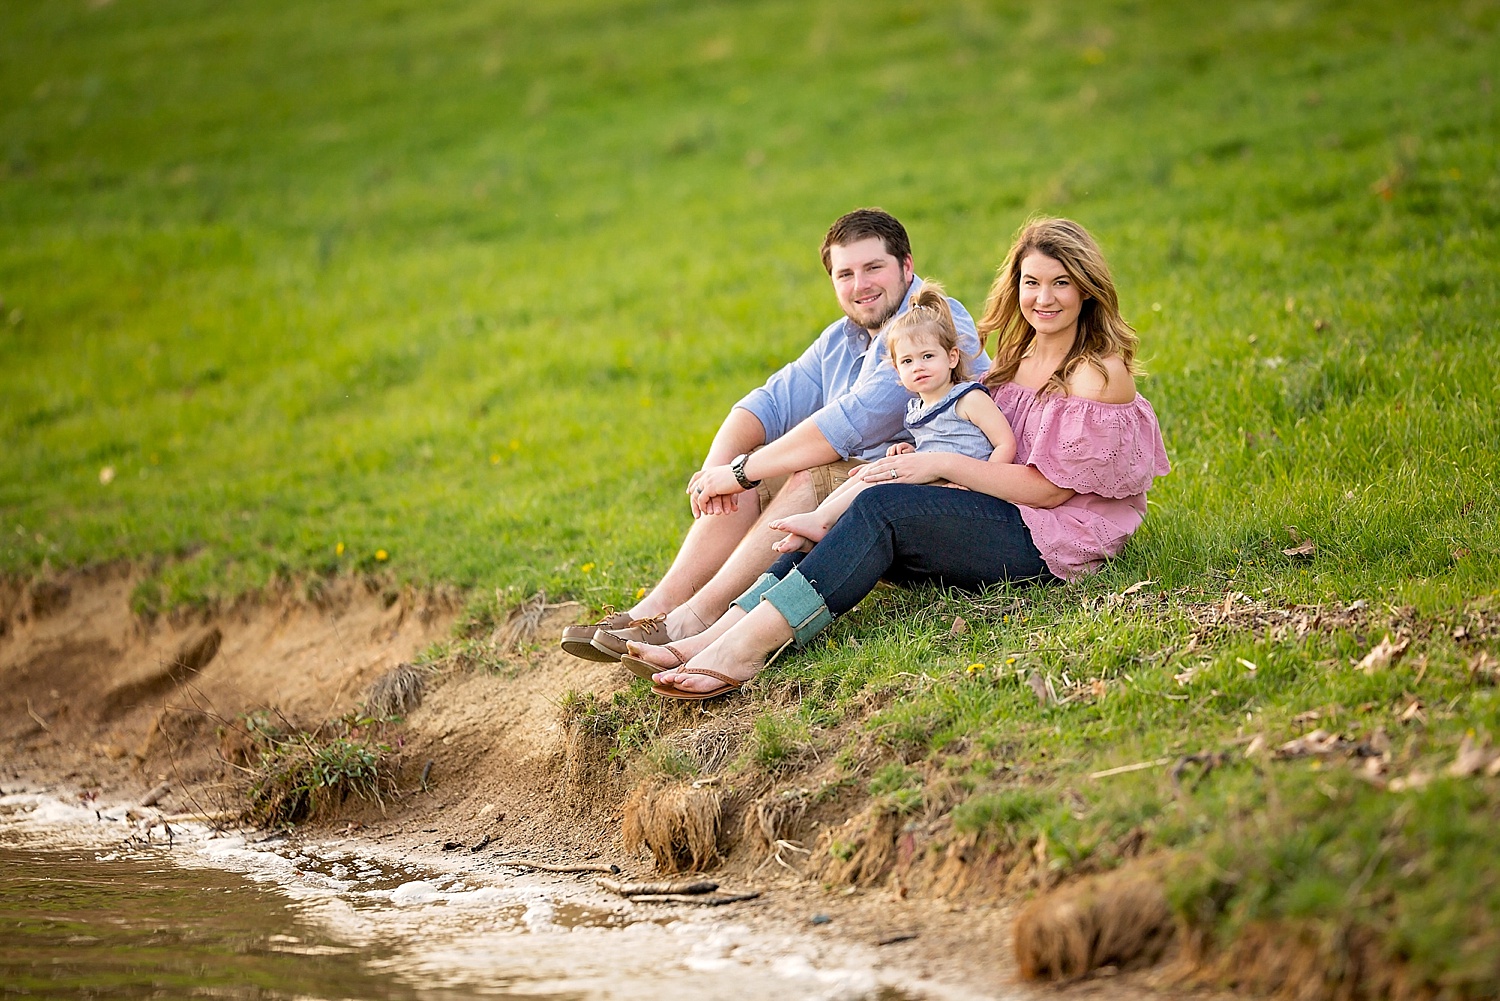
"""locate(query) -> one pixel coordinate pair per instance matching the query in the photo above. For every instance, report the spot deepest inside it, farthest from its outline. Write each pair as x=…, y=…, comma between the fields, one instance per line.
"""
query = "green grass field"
x=459, y=293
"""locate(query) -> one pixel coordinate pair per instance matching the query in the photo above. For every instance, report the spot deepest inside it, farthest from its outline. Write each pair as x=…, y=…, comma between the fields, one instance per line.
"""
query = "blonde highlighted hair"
x=1102, y=331
x=928, y=314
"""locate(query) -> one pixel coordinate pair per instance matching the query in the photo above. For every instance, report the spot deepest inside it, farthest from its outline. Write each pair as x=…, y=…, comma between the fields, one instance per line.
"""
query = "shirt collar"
x=862, y=338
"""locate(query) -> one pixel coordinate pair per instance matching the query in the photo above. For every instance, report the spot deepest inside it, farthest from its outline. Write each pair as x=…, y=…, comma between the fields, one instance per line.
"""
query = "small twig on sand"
x=613, y=870
x=679, y=886
x=905, y=936
x=684, y=898
x=39, y=721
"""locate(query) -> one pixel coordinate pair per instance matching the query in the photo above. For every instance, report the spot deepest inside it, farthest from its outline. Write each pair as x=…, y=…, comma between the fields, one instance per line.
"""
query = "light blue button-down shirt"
x=851, y=392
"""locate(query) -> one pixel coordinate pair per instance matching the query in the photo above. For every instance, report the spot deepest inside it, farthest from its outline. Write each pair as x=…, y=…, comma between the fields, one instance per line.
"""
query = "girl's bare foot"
x=793, y=543
x=803, y=531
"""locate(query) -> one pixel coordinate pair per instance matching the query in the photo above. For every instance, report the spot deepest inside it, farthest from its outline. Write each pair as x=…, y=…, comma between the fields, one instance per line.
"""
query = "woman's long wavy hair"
x=1102, y=331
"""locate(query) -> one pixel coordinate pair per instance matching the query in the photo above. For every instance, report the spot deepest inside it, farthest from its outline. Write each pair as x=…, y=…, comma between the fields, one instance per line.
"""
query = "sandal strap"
x=707, y=673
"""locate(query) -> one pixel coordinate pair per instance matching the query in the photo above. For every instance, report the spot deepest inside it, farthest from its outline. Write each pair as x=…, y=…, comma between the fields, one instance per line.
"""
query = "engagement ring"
x=895, y=475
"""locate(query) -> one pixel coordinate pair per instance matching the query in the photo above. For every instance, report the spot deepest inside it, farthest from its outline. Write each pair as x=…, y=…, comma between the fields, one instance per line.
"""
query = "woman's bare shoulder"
x=1088, y=383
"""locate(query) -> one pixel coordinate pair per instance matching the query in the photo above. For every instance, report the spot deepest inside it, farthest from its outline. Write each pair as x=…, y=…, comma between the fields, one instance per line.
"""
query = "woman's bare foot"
x=663, y=656
x=803, y=531
x=739, y=652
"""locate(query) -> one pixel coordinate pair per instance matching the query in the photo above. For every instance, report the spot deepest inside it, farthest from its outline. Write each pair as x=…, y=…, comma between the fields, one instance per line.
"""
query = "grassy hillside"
x=460, y=291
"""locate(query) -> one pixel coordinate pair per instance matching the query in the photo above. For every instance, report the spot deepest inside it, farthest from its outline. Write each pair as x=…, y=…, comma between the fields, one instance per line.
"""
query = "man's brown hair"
x=861, y=224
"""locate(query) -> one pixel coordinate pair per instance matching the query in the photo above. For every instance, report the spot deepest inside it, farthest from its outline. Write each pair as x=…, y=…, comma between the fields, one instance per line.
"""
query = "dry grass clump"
x=397, y=691
x=680, y=824
x=1304, y=962
x=1113, y=920
x=772, y=818
x=521, y=624
x=863, y=850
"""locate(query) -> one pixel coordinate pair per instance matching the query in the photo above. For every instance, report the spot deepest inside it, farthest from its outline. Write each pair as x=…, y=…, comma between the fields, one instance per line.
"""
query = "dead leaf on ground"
x=959, y=626
x=1416, y=780
x=1187, y=674
x=1473, y=757
x=1413, y=711
x=1257, y=745
x=1317, y=744
x=1307, y=548
x=1132, y=589
x=1382, y=655
x=1311, y=716
x=1038, y=686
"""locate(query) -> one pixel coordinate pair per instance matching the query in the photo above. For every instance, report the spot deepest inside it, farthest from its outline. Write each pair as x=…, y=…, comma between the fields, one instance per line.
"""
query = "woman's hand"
x=901, y=448
x=714, y=490
x=908, y=467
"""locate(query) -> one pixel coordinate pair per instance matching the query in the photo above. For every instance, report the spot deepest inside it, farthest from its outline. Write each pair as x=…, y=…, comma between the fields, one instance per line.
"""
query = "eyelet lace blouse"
x=1107, y=452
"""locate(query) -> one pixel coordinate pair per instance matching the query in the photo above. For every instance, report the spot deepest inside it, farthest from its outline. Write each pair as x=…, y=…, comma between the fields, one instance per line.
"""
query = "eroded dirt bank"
x=103, y=705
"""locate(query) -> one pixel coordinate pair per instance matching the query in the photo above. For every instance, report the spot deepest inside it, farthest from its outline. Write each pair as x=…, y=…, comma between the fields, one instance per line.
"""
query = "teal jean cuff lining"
x=751, y=597
x=801, y=606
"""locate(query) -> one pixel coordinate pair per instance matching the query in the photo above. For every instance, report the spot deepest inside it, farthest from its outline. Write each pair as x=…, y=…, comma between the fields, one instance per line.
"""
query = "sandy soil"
x=95, y=700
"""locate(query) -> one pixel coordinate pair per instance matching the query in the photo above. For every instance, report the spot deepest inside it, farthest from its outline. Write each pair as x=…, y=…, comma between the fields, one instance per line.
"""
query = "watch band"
x=737, y=467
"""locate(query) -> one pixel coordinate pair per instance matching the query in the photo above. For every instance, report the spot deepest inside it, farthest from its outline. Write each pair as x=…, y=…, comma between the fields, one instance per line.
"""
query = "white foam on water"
x=486, y=931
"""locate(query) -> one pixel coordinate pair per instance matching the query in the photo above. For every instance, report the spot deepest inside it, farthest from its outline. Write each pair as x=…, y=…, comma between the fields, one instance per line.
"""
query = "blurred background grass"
x=470, y=285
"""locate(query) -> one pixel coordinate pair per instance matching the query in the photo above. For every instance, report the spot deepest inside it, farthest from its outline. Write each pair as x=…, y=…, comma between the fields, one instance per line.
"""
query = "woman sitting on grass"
x=1087, y=449
x=951, y=414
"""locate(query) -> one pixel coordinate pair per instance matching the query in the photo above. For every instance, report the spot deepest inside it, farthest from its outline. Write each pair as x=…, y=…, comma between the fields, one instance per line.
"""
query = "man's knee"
x=796, y=495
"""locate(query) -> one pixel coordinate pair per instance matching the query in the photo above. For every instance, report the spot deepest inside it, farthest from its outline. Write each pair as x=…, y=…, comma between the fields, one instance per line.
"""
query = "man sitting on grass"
x=787, y=445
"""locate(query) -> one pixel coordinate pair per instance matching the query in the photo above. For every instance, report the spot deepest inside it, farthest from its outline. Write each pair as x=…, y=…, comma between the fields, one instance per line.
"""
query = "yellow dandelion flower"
x=640, y=593
x=974, y=668
x=381, y=555
x=338, y=550
x=494, y=458
x=1010, y=660
x=587, y=568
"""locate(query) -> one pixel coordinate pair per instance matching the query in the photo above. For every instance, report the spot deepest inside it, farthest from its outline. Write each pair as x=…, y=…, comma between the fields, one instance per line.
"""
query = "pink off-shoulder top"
x=1107, y=452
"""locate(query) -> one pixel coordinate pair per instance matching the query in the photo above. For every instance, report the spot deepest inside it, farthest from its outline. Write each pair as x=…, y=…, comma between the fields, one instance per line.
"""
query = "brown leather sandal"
x=672, y=692
x=644, y=669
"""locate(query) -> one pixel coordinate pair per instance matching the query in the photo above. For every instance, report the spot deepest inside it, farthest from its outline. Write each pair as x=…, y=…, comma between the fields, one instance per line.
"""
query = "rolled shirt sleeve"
x=845, y=383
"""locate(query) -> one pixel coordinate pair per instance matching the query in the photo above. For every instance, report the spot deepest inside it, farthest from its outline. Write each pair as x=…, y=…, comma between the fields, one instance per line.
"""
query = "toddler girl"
x=951, y=414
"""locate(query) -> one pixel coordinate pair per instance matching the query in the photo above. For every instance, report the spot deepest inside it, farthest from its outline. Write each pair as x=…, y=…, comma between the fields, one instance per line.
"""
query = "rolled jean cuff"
x=751, y=597
x=801, y=606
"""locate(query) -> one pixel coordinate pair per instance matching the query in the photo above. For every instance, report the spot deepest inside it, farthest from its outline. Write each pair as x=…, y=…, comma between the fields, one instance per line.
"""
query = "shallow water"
x=90, y=908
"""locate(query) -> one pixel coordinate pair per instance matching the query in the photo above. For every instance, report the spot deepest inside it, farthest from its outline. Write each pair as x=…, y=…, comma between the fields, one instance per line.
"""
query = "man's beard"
x=883, y=318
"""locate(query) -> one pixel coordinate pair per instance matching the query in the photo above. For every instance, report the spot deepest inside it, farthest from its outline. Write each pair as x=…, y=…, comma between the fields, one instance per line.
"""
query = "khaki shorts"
x=825, y=480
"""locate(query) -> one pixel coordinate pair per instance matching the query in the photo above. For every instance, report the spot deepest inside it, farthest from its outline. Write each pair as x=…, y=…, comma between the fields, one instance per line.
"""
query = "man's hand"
x=900, y=448
x=714, y=490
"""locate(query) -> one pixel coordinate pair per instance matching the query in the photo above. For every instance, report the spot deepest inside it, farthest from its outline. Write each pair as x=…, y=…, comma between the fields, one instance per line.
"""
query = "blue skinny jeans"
x=911, y=534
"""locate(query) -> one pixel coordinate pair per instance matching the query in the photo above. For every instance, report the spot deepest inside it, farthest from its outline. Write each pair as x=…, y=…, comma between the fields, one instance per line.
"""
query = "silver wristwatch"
x=737, y=467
